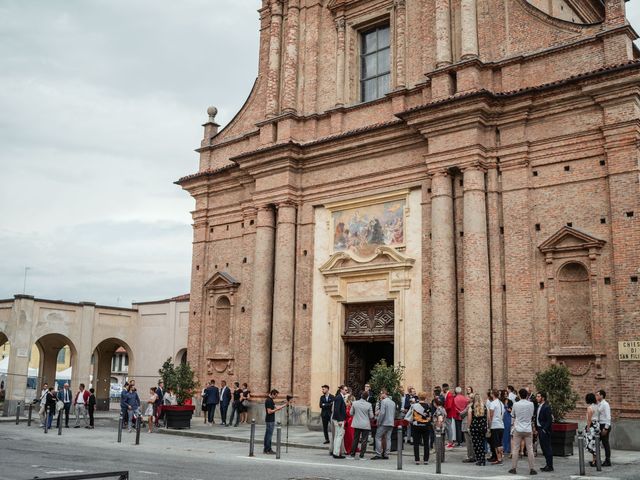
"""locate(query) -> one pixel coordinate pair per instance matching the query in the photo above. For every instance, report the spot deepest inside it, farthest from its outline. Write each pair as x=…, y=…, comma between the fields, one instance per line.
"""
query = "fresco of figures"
x=361, y=230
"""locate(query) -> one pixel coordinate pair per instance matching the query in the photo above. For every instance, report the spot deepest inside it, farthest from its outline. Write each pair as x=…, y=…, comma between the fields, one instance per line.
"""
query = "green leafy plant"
x=180, y=378
x=556, y=382
x=388, y=377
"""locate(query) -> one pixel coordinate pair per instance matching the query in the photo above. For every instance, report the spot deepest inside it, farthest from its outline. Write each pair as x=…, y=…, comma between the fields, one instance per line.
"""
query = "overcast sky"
x=101, y=103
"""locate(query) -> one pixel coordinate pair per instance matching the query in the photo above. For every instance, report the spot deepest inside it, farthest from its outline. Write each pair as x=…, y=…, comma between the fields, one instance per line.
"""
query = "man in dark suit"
x=64, y=396
x=212, y=394
x=339, y=419
x=544, y=419
x=225, y=400
x=326, y=404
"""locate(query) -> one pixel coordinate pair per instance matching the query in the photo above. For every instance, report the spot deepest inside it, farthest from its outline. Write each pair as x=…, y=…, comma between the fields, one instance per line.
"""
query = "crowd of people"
x=236, y=397
x=502, y=423
x=131, y=407
x=52, y=402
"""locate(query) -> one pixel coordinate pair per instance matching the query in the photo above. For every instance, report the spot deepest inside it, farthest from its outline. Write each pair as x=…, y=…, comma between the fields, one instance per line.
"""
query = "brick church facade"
x=447, y=184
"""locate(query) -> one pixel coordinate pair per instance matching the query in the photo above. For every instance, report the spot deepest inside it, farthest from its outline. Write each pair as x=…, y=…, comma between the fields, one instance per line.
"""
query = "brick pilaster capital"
x=341, y=23
x=398, y=4
x=276, y=7
x=438, y=172
x=473, y=167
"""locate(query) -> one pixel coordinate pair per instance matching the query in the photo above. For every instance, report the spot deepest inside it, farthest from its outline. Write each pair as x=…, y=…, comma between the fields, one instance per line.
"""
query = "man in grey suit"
x=386, y=419
x=362, y=413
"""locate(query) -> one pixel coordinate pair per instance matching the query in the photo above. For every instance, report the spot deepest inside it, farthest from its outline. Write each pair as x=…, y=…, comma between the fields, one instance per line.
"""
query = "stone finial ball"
x=212, y=111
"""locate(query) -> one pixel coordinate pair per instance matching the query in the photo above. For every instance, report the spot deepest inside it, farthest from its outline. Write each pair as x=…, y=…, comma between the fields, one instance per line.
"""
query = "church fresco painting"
x=362, y=229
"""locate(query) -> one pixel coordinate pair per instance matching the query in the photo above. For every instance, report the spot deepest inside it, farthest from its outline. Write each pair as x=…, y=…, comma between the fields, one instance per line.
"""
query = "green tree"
x=388, y=377
x=181, y=379
x=556, y=382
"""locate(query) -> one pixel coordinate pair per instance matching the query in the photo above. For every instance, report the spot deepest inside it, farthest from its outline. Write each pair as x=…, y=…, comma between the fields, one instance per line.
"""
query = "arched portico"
x=102, y=355
x=181, y=356
x=49, y=347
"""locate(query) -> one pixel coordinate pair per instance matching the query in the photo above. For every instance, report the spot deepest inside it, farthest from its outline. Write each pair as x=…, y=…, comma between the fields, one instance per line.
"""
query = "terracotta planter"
x=178, y=416
x=562, y=438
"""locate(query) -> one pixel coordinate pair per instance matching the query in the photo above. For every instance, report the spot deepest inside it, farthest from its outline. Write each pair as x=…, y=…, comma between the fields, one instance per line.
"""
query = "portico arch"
x=49, y=347
x=181, y=356
x=102, y=355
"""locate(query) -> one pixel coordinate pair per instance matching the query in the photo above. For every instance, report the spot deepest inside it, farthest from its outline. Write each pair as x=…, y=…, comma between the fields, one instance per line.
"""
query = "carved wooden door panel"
x=369, y=320
x=355, y=367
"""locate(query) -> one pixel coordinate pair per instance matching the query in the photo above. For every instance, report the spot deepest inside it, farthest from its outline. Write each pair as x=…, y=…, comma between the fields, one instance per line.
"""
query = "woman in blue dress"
x=508, y=406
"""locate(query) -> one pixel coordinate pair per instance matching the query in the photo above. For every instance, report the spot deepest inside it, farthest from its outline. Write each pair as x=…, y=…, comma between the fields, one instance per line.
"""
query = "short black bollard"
x=18, y=413
x=439, y=446
x=120, y=428
x=46, y=419
x=598, y=458
x=581, y=454
x=60, y=422
x=138, y=423
x=330, y=429
x=399, y=449
x=252, y=438
x=278, y=440
x=30, y=414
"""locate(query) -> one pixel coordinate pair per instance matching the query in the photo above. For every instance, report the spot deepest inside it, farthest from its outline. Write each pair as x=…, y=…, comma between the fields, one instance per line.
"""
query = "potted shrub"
x=556, y=381
x=390, y=378
x=181, y=379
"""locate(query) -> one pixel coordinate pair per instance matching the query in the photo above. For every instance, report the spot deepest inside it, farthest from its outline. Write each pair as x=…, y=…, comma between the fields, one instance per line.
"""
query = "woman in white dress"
x=592, y=429
x=149, y=410
x=170, y=397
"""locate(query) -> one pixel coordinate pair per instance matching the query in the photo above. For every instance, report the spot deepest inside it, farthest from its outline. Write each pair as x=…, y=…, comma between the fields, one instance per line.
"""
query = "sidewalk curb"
x=228, y=438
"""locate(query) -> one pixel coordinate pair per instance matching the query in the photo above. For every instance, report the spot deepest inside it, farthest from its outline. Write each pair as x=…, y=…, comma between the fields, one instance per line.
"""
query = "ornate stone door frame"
x=221, y=284
x=569, y=245
x=350, y=279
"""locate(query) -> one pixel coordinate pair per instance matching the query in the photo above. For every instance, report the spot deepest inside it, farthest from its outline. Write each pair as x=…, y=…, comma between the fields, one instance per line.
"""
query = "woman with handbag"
x=478, y=428
x=244, y=403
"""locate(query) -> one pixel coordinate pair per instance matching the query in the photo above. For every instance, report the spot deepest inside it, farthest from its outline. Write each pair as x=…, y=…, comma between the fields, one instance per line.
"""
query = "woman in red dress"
x=348, y=429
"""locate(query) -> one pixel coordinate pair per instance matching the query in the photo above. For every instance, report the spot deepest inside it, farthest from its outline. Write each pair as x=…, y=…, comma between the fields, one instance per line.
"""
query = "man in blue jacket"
x=124, y=412
x=544, y=419
x=212, y=394
x=225, y=400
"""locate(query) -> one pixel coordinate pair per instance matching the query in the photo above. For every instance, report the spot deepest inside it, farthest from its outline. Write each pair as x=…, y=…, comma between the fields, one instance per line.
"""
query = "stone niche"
x=220, y=293
x=574, y=301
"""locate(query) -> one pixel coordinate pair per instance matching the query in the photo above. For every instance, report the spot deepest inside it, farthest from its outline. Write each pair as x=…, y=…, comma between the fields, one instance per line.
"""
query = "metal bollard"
x=18, y=413
x=278, y=440
x=598, y=459
x=30, y=414
x=138, y=423
x=438, y=451
x=120, y=428
x=400, y=443
x=60, y=422
x=46, y=419
x=252, y=438
x=330, y=438
x=581, y=454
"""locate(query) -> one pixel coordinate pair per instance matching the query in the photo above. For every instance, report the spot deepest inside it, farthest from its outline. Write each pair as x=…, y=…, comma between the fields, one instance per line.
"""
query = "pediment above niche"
x=222, y=281
x=345, y=5
x=384, y=258
x=568, y=239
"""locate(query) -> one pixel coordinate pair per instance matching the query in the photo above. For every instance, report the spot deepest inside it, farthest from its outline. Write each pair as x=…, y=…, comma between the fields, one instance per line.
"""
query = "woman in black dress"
x=245, y=395
x=477, y=419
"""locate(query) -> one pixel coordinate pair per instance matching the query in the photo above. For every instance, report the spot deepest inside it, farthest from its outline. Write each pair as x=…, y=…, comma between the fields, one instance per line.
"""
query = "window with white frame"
x=375, y=63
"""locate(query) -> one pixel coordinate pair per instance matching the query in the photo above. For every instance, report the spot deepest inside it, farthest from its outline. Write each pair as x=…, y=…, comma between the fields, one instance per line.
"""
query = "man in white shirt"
x=496, y=423
x=522, y=413
x=43, y=403
x=604, y=413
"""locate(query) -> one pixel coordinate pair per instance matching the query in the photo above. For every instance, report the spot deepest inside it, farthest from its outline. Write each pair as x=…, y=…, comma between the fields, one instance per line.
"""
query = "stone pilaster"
x=400, y=53
x=341, y=26
x=283, y=299
x=273, y=74
x=289, y=98
x=262, y=302
x=469, y=28
x=443, y=33
x=477, y=292
x=443, y=281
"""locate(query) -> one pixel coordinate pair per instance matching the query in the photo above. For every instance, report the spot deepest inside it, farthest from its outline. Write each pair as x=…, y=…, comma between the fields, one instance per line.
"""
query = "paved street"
x=27, y=453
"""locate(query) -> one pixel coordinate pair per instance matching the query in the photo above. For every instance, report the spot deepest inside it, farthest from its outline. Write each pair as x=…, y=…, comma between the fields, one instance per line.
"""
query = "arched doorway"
x=112, y=359
x=55, y=357
x=181, y=357
x=5, y=349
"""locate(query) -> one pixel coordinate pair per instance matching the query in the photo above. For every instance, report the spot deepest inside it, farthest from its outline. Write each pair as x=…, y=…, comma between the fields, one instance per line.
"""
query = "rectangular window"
x=375, y=63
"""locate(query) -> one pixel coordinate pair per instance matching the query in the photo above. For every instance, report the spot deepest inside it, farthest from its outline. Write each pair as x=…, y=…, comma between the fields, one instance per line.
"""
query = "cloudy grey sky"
x=101, y=103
